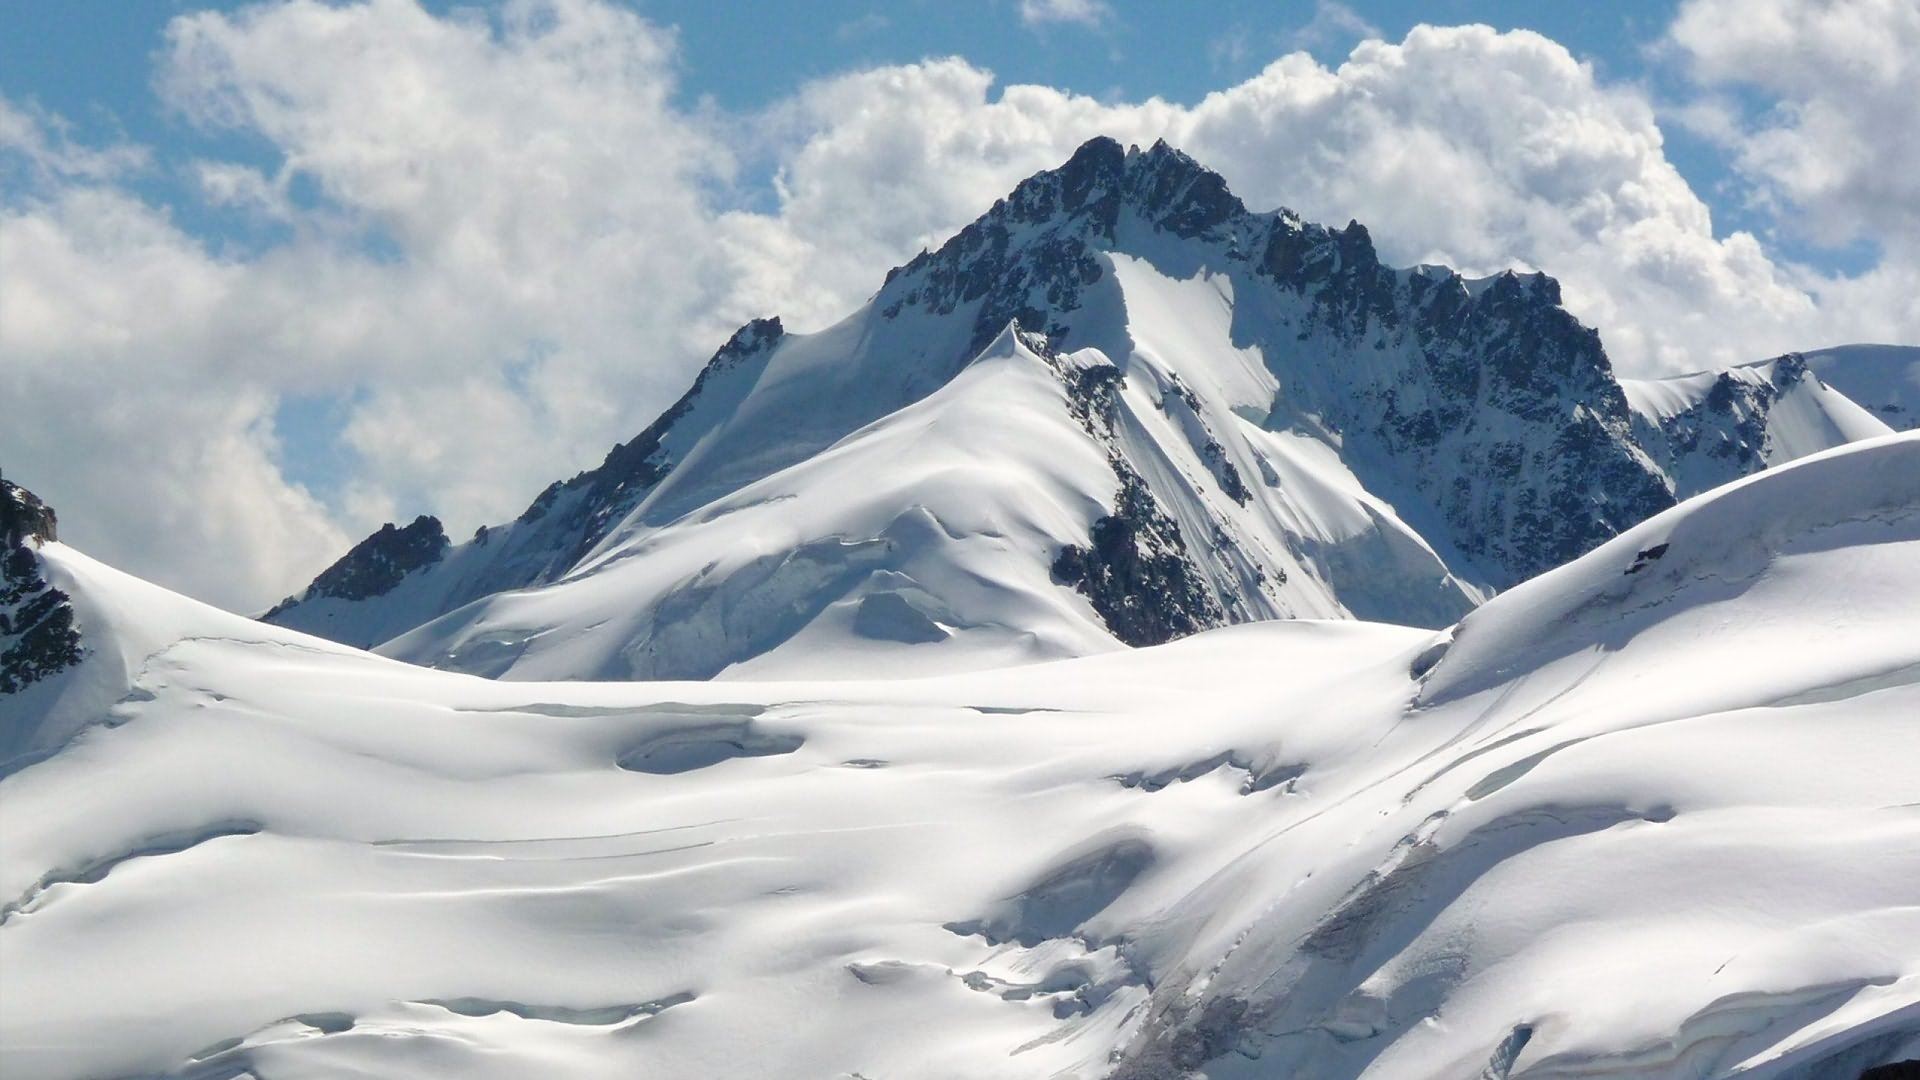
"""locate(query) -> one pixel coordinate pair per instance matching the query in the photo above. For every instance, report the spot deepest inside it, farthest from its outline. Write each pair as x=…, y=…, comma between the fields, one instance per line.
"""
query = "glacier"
x=1650, y=814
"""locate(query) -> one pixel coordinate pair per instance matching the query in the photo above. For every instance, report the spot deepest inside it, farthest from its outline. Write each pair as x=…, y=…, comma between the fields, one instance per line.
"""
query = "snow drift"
x=1651, y=814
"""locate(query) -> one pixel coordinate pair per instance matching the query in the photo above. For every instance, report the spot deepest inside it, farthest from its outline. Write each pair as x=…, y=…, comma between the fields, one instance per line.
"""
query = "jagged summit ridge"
x=381, y=561
x=1073, y=208
x=1464, y=362
x=23, y=517
x=1713, y=427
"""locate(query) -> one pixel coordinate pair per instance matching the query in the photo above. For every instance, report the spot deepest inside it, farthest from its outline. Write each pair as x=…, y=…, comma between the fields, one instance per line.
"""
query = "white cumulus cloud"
x=1085, y=12
x=1460, y=145
x=1838, y=136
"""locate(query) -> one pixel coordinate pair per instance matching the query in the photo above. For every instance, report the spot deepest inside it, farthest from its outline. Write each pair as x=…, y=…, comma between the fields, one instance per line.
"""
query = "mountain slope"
x=1883, y=378
x=1291, y=429
x=39, y=643
x=1648, y=815
x=932, y=540
x=1714, y=427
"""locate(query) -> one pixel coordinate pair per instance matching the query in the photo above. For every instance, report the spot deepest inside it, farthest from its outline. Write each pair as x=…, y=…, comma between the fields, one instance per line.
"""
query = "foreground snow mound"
x=1744, y=542
x=119, y=623
x=1650, y=816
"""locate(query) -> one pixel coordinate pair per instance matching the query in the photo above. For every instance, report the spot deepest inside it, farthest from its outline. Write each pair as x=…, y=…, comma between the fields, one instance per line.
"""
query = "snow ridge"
x=1648, y=815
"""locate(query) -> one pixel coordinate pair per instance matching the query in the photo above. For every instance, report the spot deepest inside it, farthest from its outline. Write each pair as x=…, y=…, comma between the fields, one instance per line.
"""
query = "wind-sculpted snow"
x=1650, y=815
x=1884, y=379
x=1292, y=429
x=1714, y=427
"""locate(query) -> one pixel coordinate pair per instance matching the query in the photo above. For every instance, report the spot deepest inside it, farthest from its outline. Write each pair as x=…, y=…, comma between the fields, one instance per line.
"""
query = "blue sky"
x=277, y=273
x=93, y=62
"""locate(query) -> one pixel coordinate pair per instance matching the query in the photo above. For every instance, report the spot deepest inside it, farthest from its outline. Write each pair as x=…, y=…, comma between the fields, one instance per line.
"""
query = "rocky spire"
x=38, y=638
x=378, y=563
x=23, y=516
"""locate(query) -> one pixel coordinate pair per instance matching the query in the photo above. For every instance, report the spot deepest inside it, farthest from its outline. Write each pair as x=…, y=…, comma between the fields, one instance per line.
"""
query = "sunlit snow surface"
x=1654, y=814
x=1884, y=378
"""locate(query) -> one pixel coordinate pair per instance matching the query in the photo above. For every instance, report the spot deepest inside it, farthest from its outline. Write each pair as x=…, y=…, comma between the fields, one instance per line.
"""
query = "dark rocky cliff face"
x=378, y=563
x=1725, y=435
x=1485, y=400
x=1136, y=572
x=1136, y=569
x=23, y=517
x=38, y=636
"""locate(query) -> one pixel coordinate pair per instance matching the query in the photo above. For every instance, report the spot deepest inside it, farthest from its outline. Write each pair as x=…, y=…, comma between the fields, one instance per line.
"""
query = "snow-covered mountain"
x=1647, y=815
x=1117, y=409
x=37, y=638
x=1883, y=378
x=1713, y=427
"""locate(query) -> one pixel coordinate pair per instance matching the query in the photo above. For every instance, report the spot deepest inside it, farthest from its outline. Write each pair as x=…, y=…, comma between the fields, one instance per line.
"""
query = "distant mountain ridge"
x=1117, y=408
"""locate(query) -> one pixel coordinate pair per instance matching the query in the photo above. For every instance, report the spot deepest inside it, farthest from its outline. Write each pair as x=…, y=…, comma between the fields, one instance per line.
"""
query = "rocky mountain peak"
x=1161, y=184
x=1179, y=194
x=38, y=635
x=756, y=335
x=23, y=516
x=378, y=563
x=1185, y=331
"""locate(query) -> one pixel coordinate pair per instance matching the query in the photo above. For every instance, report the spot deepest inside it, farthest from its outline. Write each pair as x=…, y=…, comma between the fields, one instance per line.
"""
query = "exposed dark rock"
x=633, y=468
x=23, y=516
x=378, y=563
x=38, y=636
x=1093, y=397
x=1646, y=558
x=1183, y=1037
x=1224, y=471
x=1136, y=571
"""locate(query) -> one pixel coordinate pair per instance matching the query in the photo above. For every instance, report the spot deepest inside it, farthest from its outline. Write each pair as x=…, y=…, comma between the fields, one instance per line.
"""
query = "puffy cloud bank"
x=497, y=243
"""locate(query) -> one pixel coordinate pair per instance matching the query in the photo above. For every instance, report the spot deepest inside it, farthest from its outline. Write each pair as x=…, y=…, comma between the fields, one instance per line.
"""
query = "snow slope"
x=1650, y=815
x=1712, y=427
x=1291, y=429
x=1884, y=378
x=924, y=541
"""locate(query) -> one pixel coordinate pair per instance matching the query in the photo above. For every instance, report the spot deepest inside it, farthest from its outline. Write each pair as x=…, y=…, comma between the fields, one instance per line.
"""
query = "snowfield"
x=1653, y=814
x=1883, y=378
